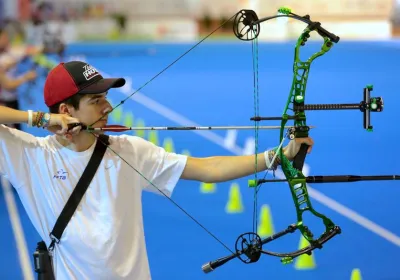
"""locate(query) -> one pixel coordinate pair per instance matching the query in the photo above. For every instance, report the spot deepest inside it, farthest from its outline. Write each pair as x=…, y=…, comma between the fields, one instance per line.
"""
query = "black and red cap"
x=70, y=78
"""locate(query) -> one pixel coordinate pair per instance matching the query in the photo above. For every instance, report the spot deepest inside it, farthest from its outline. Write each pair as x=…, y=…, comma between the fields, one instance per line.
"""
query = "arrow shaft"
x=122, y=128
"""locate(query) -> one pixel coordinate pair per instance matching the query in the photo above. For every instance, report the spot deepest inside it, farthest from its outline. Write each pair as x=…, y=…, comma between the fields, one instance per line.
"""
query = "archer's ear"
x=64, y=109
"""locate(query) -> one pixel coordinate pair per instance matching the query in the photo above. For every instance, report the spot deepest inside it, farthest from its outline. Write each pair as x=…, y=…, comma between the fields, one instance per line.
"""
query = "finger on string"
x=74, y=130
x=60, y=132
x=74, y=125
x=64, y=128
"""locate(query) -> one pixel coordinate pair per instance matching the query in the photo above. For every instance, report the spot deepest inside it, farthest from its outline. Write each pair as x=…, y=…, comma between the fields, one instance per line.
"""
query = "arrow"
x=119, y=128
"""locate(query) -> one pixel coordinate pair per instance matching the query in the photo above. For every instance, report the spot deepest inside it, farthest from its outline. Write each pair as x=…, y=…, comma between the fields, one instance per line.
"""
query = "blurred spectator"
x=46, y=30
x=9, y=81
x=396, y=19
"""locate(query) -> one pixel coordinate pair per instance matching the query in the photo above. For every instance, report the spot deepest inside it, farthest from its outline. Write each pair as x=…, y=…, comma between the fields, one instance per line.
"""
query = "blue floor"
x=213, y=85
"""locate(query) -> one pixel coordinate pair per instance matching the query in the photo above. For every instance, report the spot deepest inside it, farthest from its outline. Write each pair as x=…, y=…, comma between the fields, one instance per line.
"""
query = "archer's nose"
x=107, y=109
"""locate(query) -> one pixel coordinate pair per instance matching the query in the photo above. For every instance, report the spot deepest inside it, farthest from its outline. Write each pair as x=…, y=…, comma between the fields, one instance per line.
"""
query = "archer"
x=104, y=239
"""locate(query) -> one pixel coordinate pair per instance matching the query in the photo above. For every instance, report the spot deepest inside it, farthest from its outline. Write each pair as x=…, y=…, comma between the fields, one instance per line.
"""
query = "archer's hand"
x=291, y=150
x=58, y=124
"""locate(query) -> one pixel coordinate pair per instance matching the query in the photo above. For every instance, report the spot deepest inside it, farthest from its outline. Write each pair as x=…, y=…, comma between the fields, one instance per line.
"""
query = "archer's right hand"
x=58, y=124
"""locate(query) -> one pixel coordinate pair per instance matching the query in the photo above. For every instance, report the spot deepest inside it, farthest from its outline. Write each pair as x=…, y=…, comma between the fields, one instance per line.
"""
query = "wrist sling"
x=42, y=258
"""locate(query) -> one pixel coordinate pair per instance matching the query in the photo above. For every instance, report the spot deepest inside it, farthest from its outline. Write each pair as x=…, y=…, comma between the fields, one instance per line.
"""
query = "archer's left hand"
x=291, y=150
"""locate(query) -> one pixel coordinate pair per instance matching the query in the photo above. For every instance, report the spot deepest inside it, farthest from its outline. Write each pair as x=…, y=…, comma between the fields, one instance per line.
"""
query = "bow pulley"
x=244, y=25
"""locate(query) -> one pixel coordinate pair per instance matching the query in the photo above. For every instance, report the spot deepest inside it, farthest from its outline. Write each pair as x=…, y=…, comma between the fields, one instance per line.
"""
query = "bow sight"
x=368, y=105
x=249, y=246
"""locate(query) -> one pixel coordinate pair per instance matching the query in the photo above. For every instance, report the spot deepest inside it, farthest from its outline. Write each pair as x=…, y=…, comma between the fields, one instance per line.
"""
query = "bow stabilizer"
x=319, y=179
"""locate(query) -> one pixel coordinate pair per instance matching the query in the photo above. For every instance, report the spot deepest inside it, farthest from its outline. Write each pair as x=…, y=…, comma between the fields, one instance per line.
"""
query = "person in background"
x=10, y=81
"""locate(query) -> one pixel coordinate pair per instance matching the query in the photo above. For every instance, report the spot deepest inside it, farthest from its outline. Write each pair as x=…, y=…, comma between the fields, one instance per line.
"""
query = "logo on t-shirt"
x=61, y=175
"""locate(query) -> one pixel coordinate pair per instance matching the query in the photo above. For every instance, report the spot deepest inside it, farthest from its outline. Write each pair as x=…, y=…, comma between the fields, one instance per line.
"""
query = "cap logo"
x=90, y=72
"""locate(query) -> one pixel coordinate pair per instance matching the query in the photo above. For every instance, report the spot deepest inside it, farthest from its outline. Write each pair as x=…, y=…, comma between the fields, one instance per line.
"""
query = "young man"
x=104, y=239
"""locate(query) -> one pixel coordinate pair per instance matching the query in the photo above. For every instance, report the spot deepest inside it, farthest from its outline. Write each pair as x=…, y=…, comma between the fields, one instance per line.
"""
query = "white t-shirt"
x=105, y=237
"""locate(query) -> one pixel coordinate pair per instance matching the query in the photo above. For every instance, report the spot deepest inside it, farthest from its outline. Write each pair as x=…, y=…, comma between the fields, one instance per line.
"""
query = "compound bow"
x=246, y=26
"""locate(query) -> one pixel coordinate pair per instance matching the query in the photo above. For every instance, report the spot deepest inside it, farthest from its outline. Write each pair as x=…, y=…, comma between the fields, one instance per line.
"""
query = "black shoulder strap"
x=80, y=189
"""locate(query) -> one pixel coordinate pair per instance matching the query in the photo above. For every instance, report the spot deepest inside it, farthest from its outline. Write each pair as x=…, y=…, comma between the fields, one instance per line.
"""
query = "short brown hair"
x=72, y=101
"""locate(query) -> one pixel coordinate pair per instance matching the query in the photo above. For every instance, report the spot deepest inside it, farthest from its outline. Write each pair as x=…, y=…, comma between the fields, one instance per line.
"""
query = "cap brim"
x=103, y=85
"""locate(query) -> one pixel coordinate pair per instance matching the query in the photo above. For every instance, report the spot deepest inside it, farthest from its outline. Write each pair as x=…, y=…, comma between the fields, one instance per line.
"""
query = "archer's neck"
x=79, y=143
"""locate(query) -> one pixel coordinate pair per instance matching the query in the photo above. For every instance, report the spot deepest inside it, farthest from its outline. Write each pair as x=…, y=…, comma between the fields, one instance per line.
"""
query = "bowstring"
x=165, y=195
x=256, y=126
x=137, y=171
x=167, y=67
x=257, y=188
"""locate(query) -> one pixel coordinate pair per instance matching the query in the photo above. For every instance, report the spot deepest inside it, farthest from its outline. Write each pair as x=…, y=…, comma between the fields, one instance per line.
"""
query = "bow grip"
x=299, y=159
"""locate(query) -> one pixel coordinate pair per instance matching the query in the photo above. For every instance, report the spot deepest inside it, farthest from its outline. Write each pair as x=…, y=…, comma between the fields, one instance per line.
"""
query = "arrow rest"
x=298, y=130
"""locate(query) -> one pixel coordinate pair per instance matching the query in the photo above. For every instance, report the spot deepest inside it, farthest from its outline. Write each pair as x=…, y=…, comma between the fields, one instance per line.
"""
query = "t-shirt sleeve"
x=159, y=170
x=13, y=162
